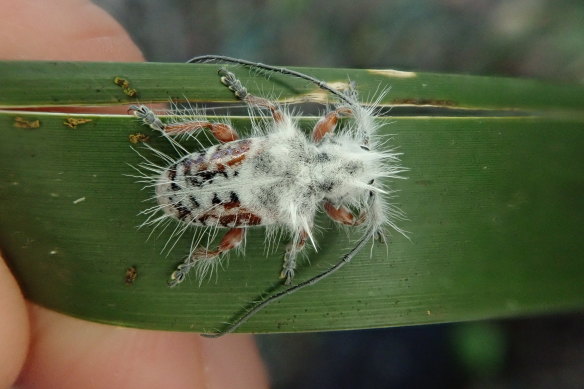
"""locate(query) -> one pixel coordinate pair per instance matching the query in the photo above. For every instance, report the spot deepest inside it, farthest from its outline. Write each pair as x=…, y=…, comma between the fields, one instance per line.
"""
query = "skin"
x=43, y=349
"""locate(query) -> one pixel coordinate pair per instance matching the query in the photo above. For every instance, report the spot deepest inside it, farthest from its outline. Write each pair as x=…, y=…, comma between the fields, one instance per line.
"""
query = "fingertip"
x=233, y=361
x=67, y=30
x=69, y=353
x=14, y=327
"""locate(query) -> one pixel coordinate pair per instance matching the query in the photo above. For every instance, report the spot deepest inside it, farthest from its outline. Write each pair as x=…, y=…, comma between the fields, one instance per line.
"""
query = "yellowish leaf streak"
x=393, y=73
x=74, y=122
x=20, y=122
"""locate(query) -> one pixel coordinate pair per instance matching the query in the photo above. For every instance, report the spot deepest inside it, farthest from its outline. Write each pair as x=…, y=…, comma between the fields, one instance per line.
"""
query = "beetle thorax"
x=342, y=171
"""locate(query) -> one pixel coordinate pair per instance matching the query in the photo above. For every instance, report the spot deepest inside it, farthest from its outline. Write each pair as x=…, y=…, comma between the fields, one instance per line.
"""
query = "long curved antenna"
x=321, y=84
x=262, y=304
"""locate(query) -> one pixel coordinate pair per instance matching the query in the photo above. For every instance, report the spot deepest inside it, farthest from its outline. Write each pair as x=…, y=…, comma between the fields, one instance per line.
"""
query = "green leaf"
x=495, y=204
x=83, y=83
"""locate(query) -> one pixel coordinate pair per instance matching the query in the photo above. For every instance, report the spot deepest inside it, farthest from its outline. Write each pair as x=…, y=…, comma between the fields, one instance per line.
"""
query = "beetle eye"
x=371, y=182
x=365, y=148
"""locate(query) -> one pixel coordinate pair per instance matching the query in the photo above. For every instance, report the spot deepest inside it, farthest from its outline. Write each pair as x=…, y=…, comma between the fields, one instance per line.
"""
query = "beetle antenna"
x=262, y=304
x=321, y=84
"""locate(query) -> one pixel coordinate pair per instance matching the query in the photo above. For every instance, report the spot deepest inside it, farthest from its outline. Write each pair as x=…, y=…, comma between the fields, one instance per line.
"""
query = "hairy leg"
x=343, y=215
x=204, y=260
x=329, y=122
x=221, y=131
x=292, y=251
x=234, y=84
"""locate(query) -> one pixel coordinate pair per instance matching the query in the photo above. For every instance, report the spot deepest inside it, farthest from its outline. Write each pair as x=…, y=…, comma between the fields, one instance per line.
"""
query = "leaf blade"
x=476, y=202
x=38, y=83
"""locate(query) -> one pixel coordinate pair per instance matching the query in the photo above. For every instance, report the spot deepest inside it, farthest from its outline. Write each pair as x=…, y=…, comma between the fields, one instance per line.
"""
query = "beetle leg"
x=234, y=84
x=205, y=260
x=292, y=250
x=221, y=131
x=343, y=215
x=329, y=122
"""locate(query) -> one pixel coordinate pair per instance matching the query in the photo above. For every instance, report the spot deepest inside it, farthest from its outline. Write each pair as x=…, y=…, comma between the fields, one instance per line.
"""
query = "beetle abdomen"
x=201, y=187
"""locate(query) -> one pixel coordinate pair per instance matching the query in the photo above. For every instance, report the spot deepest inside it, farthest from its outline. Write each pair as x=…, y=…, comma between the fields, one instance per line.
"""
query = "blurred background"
x=517, y=38
x=533, y=38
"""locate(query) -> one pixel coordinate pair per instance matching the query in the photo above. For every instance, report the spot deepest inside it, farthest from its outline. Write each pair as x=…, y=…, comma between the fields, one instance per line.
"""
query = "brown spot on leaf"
x=131, y=275
x=74, y=122
x=130, y=92
x=138, y=138
x=20, y=122
x=125, y=85
x=121, y=82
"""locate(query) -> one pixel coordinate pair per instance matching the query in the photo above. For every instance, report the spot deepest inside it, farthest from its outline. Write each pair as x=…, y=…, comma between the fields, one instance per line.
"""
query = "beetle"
x=278, y=178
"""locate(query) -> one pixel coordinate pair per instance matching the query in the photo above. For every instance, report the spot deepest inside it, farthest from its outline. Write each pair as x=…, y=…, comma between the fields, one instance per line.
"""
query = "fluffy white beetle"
x=278, y=178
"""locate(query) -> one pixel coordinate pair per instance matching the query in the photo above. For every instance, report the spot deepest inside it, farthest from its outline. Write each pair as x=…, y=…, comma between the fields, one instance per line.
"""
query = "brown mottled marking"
x=203, y=218
x=232, y=204
x=238, y=150
x=236, y=161
x=240, y=219
x=250, y=219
